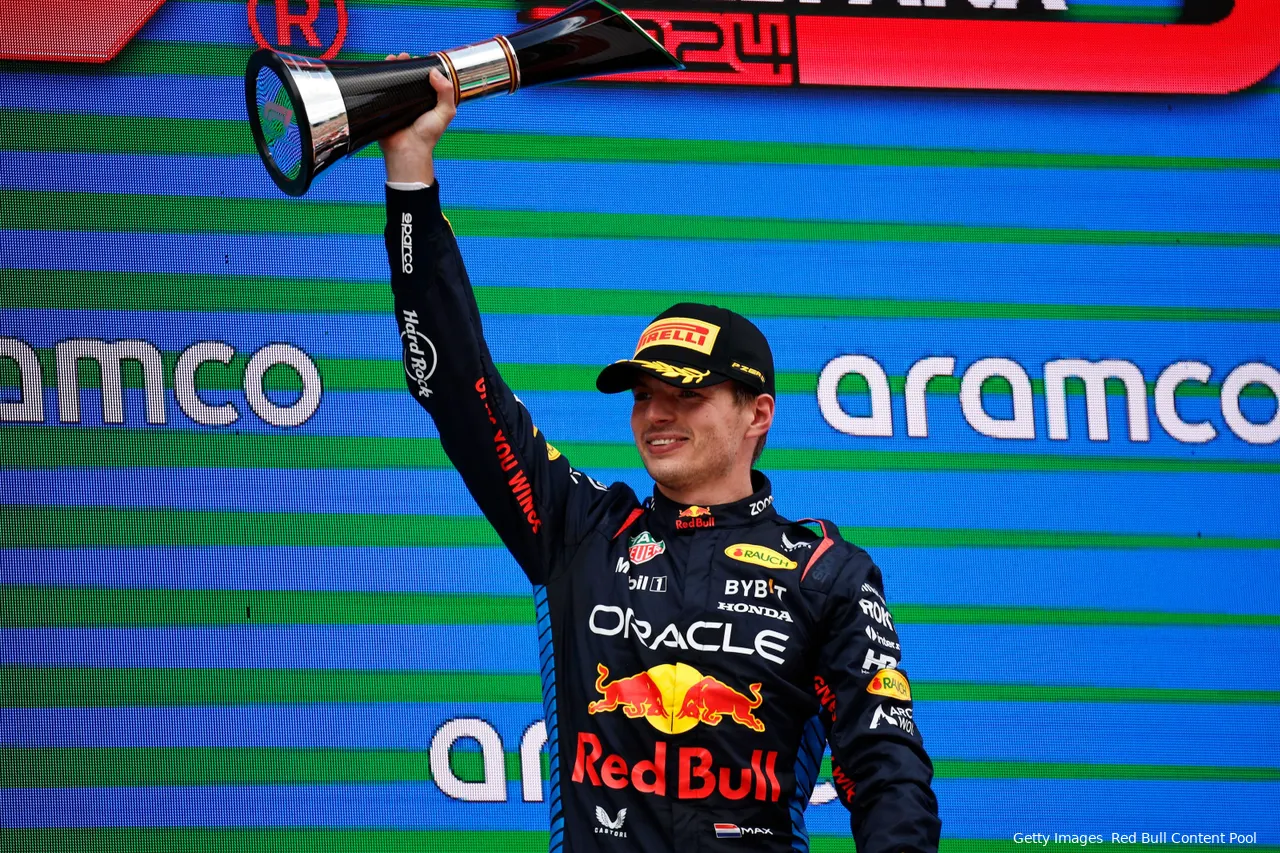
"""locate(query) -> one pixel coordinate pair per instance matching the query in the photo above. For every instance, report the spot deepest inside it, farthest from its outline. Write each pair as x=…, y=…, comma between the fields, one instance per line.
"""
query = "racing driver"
x=698, y=650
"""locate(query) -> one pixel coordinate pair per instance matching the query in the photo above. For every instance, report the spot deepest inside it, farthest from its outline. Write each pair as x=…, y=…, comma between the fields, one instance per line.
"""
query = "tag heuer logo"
x=644, y=548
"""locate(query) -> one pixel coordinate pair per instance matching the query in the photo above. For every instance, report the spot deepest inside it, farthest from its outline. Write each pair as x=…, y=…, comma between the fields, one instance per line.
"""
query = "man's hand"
x=408, y=152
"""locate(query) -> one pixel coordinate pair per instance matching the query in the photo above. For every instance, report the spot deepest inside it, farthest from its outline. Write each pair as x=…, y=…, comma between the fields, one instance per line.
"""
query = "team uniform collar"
x=690, y=518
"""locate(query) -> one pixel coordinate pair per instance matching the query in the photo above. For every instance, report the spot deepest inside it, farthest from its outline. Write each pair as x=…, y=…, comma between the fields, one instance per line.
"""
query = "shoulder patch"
x=891, y=683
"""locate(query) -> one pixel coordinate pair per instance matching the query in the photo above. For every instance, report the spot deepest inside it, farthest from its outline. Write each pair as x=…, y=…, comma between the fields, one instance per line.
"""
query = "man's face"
x=688, y=436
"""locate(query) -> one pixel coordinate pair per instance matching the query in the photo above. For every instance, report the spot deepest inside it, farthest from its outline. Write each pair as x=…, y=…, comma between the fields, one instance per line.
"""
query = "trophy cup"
x=307, y=114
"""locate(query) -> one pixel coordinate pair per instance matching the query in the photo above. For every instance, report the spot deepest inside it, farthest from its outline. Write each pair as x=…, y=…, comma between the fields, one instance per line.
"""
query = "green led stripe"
x=114, y=213
x=39, y=131
x=62, y=527
x=123, y=447
x=306, y=840
x=98, y=767
x=202, y=292
x=1101, y=13
x=39, y=606
x=376, y=374
x=66, y=687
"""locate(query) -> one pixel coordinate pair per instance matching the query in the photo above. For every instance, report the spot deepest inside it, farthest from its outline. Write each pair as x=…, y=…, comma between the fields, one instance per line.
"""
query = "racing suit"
x=695, y=660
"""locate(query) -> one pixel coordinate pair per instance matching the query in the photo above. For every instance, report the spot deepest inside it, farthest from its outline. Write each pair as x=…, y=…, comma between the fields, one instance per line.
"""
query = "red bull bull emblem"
x=695, y=518
x=676, y=697
x=644, y=548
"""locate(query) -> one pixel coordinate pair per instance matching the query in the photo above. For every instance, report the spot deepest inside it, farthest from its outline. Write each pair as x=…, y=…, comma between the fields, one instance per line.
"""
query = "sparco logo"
x=419, y=352
x=406, y=243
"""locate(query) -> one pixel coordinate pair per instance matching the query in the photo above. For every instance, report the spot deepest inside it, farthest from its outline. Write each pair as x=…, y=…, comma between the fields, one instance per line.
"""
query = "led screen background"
x=268, y=634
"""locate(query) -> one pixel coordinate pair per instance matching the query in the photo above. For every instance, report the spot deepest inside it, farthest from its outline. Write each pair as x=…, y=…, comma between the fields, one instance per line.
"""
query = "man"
x=698, y=650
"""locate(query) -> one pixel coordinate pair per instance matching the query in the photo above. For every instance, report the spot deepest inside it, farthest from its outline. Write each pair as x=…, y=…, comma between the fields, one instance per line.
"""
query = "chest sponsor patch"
x=758, y=555
x=644, y=548
x=695, y=518
x=891, y=683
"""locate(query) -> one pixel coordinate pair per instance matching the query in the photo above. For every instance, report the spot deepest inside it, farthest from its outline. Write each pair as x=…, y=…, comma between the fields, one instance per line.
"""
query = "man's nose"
x=659, y=410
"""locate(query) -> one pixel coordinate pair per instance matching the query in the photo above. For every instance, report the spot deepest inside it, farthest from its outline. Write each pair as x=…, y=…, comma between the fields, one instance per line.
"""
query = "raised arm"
x=524, y=486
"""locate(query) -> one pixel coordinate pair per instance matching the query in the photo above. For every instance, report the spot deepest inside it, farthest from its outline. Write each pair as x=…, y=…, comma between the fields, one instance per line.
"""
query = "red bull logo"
x=697, y=775
x=676, y=697
x=710, y=700
x=695, y=517
x=636, y=695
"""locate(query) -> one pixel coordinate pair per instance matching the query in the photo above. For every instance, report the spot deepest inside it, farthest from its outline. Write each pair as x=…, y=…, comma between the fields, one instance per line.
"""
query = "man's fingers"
x=444, y=89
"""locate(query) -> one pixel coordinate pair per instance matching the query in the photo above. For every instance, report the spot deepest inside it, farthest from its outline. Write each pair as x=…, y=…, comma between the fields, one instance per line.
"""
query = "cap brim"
x=621, y=375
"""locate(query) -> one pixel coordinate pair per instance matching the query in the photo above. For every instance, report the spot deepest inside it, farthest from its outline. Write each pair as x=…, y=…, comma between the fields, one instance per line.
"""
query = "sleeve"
x=879, y=764
x=526, y=488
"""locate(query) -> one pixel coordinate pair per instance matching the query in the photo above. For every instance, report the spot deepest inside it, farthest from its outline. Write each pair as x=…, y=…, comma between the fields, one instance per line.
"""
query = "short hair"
x=745, y=395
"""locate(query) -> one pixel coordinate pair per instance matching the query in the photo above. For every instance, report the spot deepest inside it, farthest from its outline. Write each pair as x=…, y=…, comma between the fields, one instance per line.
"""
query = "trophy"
x=307, y=114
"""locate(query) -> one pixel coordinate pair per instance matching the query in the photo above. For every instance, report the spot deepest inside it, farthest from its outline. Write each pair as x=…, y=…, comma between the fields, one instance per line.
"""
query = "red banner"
x=823, y=50
x=72, y=30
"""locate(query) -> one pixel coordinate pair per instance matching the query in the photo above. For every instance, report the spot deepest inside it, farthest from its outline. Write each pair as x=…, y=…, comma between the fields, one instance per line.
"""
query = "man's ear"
x=761, y=415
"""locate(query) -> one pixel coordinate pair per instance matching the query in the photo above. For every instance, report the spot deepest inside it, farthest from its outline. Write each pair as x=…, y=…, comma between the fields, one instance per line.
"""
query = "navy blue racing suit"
x=695, y=660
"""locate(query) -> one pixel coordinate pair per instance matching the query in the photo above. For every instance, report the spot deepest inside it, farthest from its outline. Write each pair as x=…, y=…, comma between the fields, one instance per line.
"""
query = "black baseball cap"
x=691, y=345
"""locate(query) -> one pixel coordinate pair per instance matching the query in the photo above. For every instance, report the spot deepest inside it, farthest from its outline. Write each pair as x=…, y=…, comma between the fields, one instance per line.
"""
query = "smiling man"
x=698, y=650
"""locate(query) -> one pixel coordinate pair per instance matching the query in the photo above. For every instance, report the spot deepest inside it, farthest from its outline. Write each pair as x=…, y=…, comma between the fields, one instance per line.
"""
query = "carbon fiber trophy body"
x=307, y=114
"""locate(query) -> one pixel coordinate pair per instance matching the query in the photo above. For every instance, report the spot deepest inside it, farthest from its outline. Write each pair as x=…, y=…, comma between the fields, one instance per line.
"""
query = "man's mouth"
x=660, y=445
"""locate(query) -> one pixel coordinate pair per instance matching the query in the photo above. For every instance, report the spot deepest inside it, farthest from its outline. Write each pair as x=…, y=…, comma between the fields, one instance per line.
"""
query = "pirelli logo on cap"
x=679, y=332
